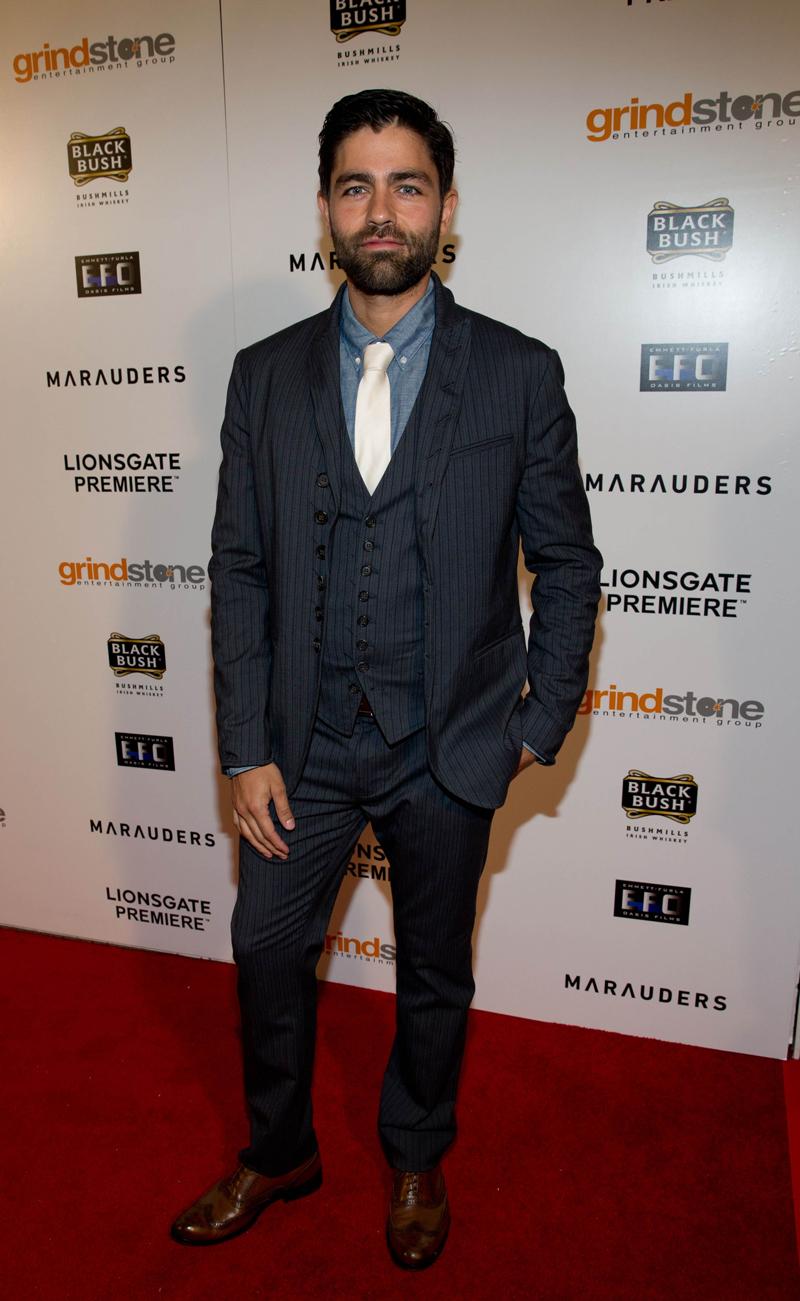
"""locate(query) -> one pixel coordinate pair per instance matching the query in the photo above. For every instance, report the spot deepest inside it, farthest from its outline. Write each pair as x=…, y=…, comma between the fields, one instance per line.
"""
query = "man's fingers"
x=269, y=835
x=282, y=807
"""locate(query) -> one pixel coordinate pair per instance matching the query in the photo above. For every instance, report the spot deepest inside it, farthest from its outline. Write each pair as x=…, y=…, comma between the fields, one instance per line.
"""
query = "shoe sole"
x=288, y=1195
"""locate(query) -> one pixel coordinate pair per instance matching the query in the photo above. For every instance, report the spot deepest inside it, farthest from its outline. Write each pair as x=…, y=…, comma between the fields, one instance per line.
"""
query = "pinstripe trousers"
x=436, y=846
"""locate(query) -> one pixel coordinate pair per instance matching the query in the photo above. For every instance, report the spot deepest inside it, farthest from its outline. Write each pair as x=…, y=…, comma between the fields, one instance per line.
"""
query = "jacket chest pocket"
x=483, y=446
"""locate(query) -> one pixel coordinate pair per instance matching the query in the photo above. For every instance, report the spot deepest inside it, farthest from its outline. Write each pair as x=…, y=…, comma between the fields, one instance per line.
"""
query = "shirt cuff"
x=234, y=772
x=535, y=753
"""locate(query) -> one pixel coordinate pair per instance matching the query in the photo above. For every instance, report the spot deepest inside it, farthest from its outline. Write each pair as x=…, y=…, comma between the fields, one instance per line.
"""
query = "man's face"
x=384, y=211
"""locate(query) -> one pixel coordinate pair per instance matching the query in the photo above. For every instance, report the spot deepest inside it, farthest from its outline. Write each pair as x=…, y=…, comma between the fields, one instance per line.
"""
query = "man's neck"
x=379, y=312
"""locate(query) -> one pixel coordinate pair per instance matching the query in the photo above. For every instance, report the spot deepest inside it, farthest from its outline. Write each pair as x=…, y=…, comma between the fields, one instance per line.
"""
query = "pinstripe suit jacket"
x=496, y=463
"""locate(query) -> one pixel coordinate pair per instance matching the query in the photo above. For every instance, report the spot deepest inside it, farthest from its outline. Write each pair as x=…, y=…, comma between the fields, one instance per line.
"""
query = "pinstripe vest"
x=373, y=612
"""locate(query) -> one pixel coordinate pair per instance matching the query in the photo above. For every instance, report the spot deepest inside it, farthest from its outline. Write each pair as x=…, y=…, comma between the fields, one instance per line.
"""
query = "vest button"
x=363, y=596
x=366, y=570
x=321, y=516
x=362, y=666
x=320, y=582
x=369, y=546
x=321, y=551
x=362, y=621
x=362, y=645
x=370, y=521
x=322, y=480
x=317, y=644
x=318, y=614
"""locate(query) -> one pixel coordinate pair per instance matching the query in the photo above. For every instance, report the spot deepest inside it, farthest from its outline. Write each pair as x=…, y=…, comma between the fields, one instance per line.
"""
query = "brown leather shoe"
x=419, y=1217
x=234, y=1204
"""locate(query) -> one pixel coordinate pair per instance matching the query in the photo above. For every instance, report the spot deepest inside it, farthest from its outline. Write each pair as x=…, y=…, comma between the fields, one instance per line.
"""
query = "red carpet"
x=590, y=1165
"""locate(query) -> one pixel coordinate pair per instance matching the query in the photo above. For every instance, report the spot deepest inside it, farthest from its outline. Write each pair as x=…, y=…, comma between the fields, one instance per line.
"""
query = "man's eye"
x=409, y=189
x=355, y=189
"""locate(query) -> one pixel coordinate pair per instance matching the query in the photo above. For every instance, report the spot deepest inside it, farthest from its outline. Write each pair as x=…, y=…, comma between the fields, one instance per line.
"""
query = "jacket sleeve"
x=556, y=533
x=239, y=594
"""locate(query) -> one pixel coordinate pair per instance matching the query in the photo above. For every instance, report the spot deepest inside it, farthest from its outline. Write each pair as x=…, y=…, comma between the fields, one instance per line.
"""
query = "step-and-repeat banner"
x=628, y=175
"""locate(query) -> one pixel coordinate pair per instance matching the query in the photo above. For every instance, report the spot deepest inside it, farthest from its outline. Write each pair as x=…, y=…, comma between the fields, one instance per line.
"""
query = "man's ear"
x=449, y=204
x=324, y=210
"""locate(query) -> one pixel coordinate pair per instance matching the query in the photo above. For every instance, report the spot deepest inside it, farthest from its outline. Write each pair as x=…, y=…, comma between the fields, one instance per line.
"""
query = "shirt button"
x=370, y=521
x=320, y=582
x=369, y=546
x=362, y=666
x=362, y=645
x=321, y=551
x=362, y=621
x=317, y=644
x=321, y=516
x=366, y=570
x=354, y=689
x=363, y=596
x=322, y=480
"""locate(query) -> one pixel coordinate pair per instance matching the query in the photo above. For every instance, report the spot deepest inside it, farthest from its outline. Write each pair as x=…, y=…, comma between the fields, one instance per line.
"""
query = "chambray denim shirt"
x=410, y=339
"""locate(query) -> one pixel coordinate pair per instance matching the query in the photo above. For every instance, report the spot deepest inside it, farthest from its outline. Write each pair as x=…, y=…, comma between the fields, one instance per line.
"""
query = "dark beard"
x=392, y=271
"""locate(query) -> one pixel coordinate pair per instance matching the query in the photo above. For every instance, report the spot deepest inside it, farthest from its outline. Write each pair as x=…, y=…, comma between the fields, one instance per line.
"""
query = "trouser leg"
x=278, y=931
x=436, y=846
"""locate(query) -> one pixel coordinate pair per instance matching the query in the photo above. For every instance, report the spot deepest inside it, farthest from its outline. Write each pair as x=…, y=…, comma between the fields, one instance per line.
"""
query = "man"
x=381, y=462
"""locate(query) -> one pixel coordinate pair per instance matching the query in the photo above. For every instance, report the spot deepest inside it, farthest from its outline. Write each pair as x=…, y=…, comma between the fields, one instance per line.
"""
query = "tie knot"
x=377, y=356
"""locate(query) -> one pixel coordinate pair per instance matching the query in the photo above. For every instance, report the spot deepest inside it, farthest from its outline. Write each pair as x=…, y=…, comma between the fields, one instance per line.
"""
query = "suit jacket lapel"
x=440, y=403
x=323, y=372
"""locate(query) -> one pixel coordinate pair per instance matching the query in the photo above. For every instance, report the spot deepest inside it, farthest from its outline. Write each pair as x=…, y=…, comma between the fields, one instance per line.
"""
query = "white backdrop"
x=691, y=491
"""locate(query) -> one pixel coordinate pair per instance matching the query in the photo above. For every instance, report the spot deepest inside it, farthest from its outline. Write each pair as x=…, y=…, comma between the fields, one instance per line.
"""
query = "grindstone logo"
x=644, y=796
x=141, y=750
x=705, y=231
x=676, y=592
x=115, y=376
x=87, y=57
x=686, y=707
x=155, y=909
x=137, y=656
x=679, y=485
x=123, y=471
x=125, y=573
x=683, y=368
x=641, y=901
x=373, y=949
x=100, y=275
x=355, y=18
x=690, y=115
x=661, y=994
x=145, y=831
x=99, y=158
x=327, y=261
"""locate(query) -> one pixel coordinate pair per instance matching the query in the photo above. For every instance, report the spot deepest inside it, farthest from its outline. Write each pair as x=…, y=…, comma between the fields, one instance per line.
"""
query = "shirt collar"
x=406, y=337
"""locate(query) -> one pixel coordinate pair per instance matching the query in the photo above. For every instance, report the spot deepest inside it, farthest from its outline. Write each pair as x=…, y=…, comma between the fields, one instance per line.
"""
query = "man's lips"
x=383, y=242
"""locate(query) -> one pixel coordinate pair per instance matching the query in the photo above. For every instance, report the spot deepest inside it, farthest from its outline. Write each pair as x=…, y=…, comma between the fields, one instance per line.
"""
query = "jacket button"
x=370, y=521
x=354, y=689
x=363, y=596
x=322, y=480
x=362, y=645
x=362, y=621
x=362, y=666
x=366, y=570
x=320, y=582
x=321, y=551
x=317, y=644
x=321, y=516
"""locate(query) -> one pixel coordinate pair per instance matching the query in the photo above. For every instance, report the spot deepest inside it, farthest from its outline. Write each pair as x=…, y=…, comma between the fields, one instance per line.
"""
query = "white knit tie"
x=374, y=415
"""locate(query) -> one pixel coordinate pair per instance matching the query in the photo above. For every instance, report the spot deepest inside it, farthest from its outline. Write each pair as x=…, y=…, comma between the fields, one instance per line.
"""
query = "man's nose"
x=380, y=209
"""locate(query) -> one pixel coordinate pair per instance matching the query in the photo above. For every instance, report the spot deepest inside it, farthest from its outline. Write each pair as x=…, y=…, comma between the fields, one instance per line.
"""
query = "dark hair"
x=380, y=108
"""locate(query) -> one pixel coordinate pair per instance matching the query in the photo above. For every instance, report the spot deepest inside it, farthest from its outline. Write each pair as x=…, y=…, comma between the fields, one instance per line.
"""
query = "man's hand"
x=525, y=760
x=252, y=792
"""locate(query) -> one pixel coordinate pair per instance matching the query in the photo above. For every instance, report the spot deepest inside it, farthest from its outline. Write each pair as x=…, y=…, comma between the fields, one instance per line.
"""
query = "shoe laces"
x=408, y=1191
